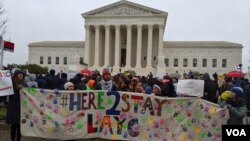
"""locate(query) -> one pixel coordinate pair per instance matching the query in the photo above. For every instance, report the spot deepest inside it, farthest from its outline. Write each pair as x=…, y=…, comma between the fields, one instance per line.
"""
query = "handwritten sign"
x=6, y=87
x=190, y=87
x=69, y=115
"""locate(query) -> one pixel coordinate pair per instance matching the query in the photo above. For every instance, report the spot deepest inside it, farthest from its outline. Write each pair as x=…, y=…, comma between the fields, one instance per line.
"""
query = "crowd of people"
x=233, y=93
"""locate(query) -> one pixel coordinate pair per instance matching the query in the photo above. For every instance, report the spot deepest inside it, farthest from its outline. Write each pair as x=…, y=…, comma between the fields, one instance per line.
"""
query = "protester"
x=91, y=84
x=149, y=87
x=13, y=111
x=175, y=82
x=52, y=81
x=63, y=79
x=106, y=82
x=150, y=75
x=69, y=86
x=124, y=84
x=77, y=81
x=116, y=80
x=157, y=90
x=236, y=106
x=190, y=75
x=30, y=81
x=41, y=82
x=168, y=88
x=210, y=88
x=227, y=84
x=137, y=87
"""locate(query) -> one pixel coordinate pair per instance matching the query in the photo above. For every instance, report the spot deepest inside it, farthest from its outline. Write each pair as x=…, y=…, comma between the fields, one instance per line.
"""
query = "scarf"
x=106, y=85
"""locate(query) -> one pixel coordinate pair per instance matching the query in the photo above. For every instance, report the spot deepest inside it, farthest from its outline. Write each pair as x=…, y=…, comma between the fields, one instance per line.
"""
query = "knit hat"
x=157, y=87
x=135, y=79
x=66, y=85
x=238, y=91
x=106, y=72
x=165, y=80
x=91, y=83
x=224, y=96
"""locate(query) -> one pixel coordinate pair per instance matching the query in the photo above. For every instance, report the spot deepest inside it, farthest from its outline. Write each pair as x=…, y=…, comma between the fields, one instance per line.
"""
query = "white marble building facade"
x=202, y=56
x=128, y=36
x=124, y=35
x=59, y=55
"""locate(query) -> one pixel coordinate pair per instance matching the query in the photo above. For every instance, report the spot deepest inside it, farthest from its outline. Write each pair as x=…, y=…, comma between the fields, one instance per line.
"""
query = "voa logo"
x=236, y=132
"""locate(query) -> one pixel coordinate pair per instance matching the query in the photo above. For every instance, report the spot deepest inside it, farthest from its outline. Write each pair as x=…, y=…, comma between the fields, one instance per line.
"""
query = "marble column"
x=161, y=66
x=160, y=49
x=97, y=45
x=128, y=53
x=150, y=43
x=107, y=45
x=117, y=46
x=139, y=46
x=87, y=40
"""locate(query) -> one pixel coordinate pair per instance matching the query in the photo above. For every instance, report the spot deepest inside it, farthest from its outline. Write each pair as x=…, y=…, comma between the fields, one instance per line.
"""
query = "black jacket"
x=52, y=82
x=14, y=107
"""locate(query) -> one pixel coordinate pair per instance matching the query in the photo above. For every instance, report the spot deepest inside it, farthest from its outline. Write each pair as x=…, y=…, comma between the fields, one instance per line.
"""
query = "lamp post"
x=1, y=48
x=239, y=67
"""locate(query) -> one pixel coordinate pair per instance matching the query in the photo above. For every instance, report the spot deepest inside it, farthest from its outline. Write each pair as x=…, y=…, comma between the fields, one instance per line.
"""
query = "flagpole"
x=2, y=48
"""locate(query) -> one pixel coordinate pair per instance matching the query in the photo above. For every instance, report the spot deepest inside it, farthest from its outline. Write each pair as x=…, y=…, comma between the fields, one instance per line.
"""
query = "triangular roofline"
x=87, y=14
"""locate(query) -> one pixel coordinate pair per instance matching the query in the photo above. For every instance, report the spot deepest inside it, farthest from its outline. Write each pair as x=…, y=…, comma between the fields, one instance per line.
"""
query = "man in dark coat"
x=106, y=83
x=210, y=88
x=62, y=81
x=52, y=82
x=13, y=111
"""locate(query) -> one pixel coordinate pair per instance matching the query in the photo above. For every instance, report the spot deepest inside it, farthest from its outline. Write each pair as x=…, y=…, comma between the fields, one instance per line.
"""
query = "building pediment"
x=124, y=8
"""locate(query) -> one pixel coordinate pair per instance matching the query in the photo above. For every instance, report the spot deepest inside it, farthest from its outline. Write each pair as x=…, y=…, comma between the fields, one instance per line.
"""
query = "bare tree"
x=3, y=20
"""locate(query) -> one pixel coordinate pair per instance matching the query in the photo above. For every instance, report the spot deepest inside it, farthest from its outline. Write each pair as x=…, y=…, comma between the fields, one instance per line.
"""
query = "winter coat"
x=168, y=90
x=210, y=90
x=14, y=107
x=62, y=81
x=52, y=82
x=237, y=112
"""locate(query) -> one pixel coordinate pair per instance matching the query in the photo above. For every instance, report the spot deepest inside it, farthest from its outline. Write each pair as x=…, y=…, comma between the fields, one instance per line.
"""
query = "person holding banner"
x=124, y=84
x=157, y=90
x=236, y=105
x=13, y=111
x=90, y=85
x=137, y=86
x=69, y=87
x=106, y=83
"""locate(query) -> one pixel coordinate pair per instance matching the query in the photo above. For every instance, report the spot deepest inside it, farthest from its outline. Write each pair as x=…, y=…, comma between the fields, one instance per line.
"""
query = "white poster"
x=190, y=87
x=6, y=87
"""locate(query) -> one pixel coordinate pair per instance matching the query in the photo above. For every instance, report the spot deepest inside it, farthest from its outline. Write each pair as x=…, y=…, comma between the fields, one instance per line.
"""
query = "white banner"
x=6, y=87
x=190, y=87
x=68, y=115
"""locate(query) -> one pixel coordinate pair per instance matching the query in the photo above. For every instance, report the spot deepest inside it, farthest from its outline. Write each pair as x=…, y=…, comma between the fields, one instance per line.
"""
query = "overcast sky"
x=188, y=20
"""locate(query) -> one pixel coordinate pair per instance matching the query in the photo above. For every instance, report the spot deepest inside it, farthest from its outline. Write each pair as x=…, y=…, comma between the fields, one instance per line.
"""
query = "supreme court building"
x=129, y=36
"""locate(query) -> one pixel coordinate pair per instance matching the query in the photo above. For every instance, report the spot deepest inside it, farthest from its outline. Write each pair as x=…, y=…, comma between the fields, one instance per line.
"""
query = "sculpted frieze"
x=124, y=10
